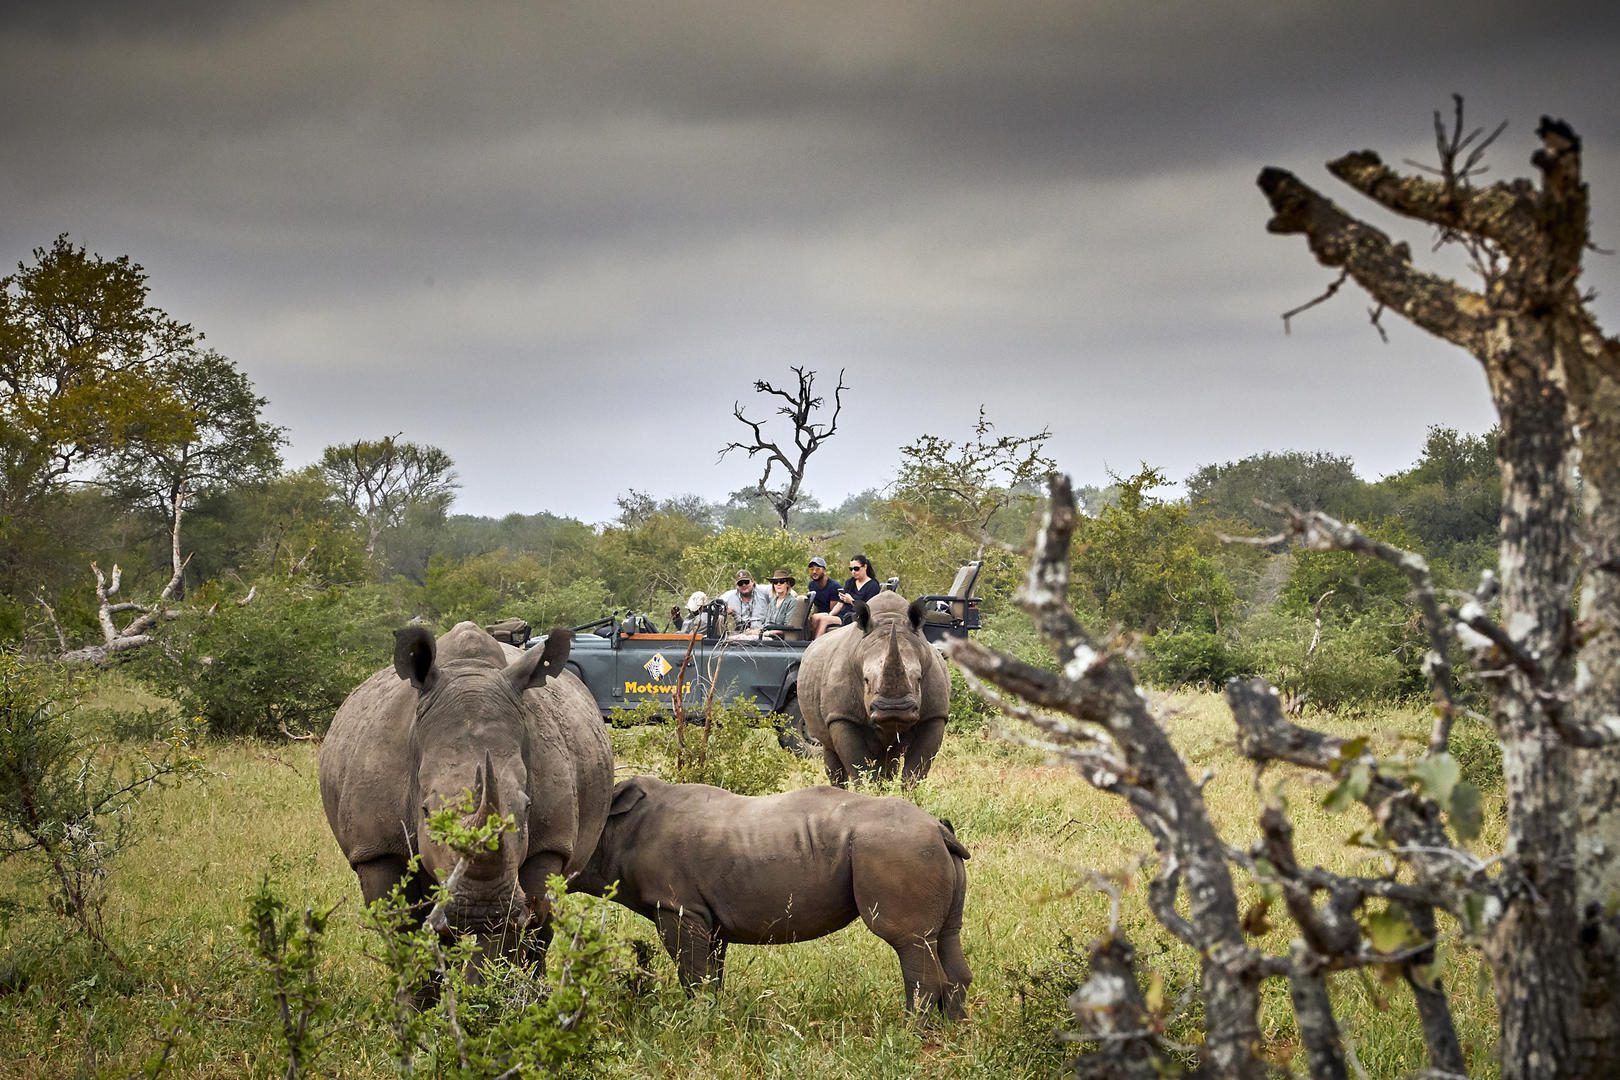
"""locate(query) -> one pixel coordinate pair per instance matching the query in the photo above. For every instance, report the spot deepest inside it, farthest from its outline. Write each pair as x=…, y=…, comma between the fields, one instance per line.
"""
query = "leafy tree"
x=1250, y=490
x=1142, y=565
x=82, y=363
x=381, y=480
x=640, y=559
x=1451, y=498
x=710, y=563
x=293, y=526
x=966, y=486
x=226, y=444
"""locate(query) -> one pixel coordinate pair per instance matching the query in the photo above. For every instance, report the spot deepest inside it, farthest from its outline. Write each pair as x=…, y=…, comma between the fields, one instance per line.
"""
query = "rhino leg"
x=921, y=747
x=379, y=876
x=536, y=936
x=699, y=953
x=851, y=750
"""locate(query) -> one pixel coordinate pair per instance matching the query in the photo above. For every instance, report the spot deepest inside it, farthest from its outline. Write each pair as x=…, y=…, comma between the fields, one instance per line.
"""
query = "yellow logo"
x=632, y=687
x=657, y=667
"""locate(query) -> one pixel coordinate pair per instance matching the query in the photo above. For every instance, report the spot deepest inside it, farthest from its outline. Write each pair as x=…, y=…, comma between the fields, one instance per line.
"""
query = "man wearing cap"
x=823, y=593
x=749, y=608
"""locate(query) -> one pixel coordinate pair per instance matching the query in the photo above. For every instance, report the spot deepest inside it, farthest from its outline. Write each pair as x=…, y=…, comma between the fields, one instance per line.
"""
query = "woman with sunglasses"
x=862, y=585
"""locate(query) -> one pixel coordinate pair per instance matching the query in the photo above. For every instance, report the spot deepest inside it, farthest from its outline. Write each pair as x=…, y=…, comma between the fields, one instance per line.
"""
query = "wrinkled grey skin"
x=874, y=693
x=469, y=714
x=710, y=868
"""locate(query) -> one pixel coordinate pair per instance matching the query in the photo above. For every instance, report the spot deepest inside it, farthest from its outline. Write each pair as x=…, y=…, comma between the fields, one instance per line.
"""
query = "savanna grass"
x=827, y=1008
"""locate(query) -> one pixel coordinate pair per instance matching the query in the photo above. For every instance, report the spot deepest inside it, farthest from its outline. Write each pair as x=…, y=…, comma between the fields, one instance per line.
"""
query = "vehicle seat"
x=950, y=609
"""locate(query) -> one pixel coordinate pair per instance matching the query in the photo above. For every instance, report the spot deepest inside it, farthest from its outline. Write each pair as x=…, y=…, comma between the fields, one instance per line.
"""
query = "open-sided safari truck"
x=625, y=666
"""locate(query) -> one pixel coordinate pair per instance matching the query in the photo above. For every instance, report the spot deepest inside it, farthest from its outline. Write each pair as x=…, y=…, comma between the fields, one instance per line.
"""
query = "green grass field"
x=828, y=1008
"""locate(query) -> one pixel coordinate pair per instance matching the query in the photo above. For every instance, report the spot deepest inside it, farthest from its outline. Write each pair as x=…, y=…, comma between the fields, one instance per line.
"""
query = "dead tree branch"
x=798, y=405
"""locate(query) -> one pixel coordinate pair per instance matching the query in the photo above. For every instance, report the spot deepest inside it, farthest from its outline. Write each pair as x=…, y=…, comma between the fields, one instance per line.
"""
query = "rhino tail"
x=948, y=833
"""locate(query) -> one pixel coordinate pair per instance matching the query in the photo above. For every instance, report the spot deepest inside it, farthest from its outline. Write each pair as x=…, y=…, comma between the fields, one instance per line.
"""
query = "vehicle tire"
x=791, y=733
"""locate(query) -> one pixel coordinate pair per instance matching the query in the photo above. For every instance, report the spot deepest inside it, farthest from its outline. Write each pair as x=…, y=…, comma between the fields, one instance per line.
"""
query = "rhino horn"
x=893, y=683
x=486, y=794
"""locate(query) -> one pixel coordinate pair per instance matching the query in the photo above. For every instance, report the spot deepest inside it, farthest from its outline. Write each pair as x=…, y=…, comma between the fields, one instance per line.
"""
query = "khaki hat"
x=696, y=600
x=743, y=575
x=782, y=573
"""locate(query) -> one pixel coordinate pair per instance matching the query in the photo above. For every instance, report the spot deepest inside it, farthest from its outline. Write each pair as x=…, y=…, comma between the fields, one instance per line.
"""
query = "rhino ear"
x=414, y=649
x=625, y=795
x=915, y=613
x=537, y=665
x=863, y=616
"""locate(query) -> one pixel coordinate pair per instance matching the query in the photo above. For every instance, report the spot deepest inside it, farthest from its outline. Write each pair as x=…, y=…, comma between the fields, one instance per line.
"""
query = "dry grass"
x=825, y=1008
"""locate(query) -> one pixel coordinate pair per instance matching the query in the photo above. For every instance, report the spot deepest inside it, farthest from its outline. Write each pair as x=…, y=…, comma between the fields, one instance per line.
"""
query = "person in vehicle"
x=862, y=585
x=746, y=607
x=823, y=593
x=697, y=614
x=782, y=599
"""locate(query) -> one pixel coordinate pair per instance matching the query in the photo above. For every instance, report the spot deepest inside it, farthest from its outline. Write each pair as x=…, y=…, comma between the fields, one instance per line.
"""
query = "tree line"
x=127, y=441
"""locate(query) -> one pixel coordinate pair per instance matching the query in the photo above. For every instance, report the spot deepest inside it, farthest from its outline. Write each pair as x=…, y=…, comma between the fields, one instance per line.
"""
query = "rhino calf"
x=710, y=868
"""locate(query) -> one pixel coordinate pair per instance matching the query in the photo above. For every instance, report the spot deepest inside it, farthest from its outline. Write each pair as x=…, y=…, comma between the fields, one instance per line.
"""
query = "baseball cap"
x=743, y=575
x=817, y=560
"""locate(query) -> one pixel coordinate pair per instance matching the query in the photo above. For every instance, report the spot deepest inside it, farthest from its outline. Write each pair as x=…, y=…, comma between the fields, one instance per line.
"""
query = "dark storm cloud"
x=464, y=220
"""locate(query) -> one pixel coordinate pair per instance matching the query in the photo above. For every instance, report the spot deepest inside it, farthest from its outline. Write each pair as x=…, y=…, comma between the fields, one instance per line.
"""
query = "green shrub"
x=969, y=712
x=1356, y=665
x=736, y=750
x=285, y=661
x=1193, y=658
x=66, y=804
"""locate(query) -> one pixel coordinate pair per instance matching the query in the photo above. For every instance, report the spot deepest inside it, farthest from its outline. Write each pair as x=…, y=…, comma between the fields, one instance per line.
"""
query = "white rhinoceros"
x=875, y=692
x=466, y=714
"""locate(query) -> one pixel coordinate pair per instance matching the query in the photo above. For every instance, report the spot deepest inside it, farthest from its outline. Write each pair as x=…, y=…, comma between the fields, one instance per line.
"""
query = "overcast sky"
x=558, y=240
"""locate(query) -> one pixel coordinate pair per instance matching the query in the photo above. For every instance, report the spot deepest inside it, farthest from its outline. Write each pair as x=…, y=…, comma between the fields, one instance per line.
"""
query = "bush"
x=284, y=662
x=1194, y=658
x=736, y=750
x=65, y=803
x=1356, y=666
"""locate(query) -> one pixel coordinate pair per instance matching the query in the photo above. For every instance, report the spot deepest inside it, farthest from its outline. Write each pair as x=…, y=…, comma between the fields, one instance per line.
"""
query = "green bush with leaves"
x=736, y=749
x=1193, y=658
x=282, y=663
x=710, y=563
x=1356, y=665
x=66, y=804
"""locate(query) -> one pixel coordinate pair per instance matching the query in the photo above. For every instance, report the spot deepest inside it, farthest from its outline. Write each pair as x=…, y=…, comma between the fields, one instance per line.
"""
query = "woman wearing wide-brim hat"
x=782, y=596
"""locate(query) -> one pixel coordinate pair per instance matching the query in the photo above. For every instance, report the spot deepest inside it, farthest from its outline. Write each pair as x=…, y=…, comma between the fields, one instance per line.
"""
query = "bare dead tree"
x=1541, y=909
x=798, y=405
x=147, y=616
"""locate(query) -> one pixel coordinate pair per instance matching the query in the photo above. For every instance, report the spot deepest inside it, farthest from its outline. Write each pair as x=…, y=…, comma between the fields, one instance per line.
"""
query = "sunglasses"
x=779, y=581
x=857, y=566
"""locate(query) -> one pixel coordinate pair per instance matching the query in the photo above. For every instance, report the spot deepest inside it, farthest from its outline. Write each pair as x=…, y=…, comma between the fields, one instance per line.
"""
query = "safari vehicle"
x=625, y=663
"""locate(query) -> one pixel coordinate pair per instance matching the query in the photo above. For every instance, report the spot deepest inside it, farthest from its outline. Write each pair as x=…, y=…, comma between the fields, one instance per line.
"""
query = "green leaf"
x=1348, y=791
x=1390, y=931
x=1350, y=751
x=1437, y=775
x=1369, y=836
x=1467, y=813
